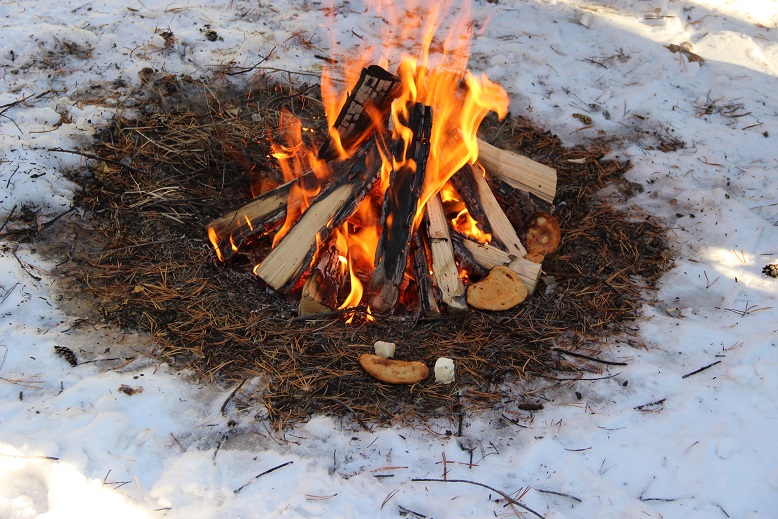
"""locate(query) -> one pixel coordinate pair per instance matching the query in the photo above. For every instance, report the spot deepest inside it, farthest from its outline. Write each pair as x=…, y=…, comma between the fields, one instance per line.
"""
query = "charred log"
x=375, y=90
x=322, y=288
x=428, y=304
x=480, y=199
x=399, y=209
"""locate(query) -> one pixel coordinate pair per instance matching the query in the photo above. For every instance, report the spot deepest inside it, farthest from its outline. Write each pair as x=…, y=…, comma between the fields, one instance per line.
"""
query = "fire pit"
x=399, y=196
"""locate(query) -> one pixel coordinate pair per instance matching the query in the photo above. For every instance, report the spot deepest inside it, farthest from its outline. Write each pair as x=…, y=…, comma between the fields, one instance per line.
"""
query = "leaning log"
x=480, y=198
x=518, y=171
x=332, y=207
x=375, y=90
x=444, y=267
x=255, y=218
x=428, y=304
x=399, y=209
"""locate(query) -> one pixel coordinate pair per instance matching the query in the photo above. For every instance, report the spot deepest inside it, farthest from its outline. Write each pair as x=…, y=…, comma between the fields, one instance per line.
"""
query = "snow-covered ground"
x=73, y=445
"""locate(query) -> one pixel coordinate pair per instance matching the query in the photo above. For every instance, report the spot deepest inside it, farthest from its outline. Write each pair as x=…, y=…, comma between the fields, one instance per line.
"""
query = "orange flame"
x=295, y=159
x=433, y=70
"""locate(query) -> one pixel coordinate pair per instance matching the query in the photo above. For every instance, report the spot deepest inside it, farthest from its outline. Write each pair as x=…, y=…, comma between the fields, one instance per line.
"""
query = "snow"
x=646, y=442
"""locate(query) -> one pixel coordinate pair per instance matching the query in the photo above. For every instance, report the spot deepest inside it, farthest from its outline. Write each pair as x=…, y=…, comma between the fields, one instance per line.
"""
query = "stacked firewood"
x=418, y=240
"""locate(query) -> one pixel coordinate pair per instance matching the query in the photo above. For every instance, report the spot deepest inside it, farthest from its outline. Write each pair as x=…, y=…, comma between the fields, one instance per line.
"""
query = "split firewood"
x=489, y=256
x=479, y=197
x=518, y=171
x=500, y=290
x=519, y=205
x=255, y=218
x=543, y=237
x=375, y=90
x=428, y=304
x=292, y=255
x=444, y=267
x=321, y=289
x=394, y=371
x=399, y=208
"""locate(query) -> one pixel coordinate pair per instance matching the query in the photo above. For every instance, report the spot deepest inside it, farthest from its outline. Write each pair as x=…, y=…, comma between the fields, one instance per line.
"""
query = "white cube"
x=444, y=370
x=384, y=349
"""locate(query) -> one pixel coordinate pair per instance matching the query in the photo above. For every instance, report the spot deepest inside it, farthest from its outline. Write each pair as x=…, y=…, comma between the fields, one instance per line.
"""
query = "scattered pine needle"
x=192, y=154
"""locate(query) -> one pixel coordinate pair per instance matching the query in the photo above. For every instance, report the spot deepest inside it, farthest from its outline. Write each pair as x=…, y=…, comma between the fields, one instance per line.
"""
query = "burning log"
x=427, y=302
x=518, y=171
x=399, y=209
x=374, y=91
x=444, y=268
x=289, y=259
x=321, y=289
x=479, y=199
x=229, y=232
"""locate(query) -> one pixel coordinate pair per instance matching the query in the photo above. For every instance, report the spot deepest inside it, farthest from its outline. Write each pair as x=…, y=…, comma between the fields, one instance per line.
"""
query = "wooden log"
x=519, y=205
x=518, y=171
x=375, y=90
x=321, y=289
x=428, y=304
x=399, y=208
x=466, y=186
x=289, y=259
x=489, y=256
x=465, y=261
x=444, y=267
x=480, y=197
x=255, y=218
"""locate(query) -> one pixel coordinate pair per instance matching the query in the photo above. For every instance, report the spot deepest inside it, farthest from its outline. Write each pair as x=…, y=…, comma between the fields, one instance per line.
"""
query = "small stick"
x=587, y=357
x=559, y=494
x=232, y=394
x=37, y=228
x=505, y=496
x=97, y=157
x=701, y=369
x=268, y=471
x=658, y=402
x=177, y=442
x=8, y=217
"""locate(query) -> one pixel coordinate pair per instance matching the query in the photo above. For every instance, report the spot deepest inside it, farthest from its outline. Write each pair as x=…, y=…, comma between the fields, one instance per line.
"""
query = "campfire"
x=400, y=208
